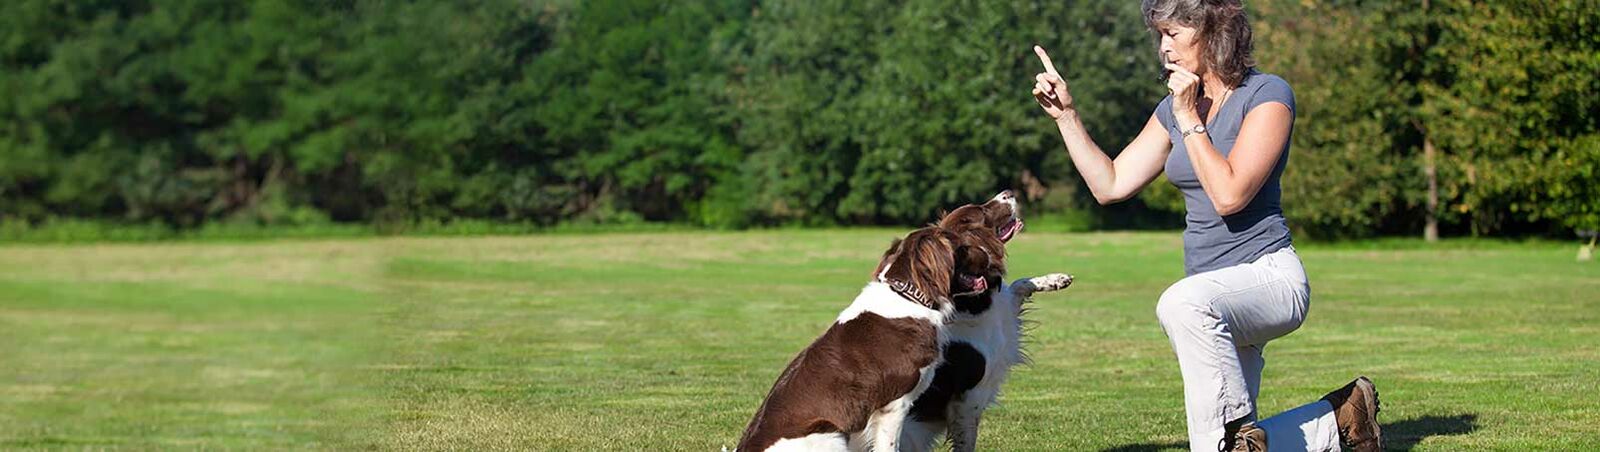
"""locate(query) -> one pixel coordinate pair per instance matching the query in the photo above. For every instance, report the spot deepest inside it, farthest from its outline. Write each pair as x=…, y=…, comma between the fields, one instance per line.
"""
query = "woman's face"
x=1180, y=45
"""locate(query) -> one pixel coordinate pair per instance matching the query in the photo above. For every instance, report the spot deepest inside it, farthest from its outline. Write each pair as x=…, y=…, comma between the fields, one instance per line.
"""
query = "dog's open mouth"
x=1010, y=229
x=970, y=285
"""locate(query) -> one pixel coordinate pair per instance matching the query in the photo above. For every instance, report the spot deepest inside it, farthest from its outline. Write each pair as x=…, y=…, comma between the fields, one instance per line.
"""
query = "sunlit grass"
x=668, y=341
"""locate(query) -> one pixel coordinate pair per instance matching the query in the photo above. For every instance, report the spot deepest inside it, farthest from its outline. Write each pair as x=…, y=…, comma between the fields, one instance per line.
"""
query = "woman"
x=1222, y=137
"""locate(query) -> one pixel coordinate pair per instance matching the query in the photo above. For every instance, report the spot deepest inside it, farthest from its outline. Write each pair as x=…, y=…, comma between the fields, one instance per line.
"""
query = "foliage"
x=854, y=114
x=1515, y=103
x=737, y=113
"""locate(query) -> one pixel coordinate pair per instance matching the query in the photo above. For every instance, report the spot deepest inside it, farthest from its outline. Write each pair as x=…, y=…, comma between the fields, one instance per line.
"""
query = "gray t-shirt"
x=1211, y=241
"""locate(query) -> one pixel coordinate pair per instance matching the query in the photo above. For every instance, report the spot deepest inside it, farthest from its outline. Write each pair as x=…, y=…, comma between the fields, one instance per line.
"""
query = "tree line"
x=1451, y=116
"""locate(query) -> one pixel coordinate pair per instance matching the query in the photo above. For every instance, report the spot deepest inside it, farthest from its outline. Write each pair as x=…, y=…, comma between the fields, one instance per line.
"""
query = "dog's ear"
x=925, y=262
x=963, y=217
x=894, y=247
x=972, y=251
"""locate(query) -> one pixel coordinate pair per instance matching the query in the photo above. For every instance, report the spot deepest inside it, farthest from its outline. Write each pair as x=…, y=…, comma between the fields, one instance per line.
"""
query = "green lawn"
x=667, y=341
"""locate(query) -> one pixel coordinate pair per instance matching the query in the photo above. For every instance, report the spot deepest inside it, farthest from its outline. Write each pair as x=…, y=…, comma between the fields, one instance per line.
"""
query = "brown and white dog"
x=852, y=388
x=855, y=386
x=983, y=337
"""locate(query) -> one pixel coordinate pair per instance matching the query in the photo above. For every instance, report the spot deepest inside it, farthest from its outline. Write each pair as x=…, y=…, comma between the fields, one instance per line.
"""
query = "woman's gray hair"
x=1223, y=30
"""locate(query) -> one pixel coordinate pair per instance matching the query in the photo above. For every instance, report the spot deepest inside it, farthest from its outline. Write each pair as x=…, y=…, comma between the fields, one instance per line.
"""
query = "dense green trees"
x=735, y=113
x=871, y=112
x=1500, y=101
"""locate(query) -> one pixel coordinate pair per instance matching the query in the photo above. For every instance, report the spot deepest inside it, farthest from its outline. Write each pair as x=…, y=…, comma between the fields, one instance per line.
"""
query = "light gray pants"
x=1218, y=322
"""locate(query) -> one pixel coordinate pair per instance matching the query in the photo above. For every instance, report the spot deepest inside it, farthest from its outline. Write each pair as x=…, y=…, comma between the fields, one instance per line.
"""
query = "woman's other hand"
x=1050, y=90
x=1185, y=88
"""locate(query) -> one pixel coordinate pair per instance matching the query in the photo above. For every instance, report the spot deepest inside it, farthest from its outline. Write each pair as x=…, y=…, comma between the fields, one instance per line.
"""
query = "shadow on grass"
x=1403, y=435
x=1148, y=447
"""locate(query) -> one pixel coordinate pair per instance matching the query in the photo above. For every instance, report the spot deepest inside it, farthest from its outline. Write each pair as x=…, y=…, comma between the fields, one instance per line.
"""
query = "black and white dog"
x=982, y=339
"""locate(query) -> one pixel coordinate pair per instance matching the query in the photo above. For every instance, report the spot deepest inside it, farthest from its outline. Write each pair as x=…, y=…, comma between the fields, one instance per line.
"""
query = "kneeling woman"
x=1221, y=137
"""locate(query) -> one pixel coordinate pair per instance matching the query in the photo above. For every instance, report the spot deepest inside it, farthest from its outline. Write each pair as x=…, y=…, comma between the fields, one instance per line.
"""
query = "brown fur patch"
x=835, y=384
x=860, y=365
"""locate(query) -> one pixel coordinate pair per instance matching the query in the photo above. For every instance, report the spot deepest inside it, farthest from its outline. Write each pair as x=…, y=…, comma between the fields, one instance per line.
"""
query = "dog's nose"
x=1005, y=196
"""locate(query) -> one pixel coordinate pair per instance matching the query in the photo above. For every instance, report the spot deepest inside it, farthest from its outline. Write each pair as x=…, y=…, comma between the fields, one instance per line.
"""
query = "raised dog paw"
x=1051, y=282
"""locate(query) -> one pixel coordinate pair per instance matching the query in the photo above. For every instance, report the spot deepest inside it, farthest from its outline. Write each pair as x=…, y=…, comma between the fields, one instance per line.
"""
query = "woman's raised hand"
x=1049, y=89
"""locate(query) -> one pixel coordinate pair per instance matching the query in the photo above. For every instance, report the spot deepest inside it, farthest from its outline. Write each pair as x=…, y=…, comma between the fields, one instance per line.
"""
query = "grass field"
x=667, y=341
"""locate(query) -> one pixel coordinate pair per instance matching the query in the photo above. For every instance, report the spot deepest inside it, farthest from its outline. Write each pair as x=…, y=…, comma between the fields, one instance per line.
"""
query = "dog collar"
x=909, y=292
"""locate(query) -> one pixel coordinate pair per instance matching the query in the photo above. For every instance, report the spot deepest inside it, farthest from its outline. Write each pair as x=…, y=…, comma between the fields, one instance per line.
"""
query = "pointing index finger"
x=1045, y=58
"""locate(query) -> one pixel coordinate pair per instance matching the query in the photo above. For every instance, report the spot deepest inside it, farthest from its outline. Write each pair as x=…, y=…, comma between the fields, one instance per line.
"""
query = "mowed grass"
x=668, y=341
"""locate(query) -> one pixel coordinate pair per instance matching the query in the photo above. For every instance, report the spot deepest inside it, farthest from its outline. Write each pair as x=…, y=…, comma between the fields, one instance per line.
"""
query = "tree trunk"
x=1430, y=229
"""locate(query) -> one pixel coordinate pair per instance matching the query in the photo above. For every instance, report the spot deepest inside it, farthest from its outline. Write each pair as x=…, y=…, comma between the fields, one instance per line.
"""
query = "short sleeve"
x=1164, y=113
x=1273, y=89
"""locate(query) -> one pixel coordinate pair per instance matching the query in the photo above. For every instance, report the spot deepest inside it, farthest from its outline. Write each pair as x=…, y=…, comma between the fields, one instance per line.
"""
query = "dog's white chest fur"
x=996, y=334
x=878, y=298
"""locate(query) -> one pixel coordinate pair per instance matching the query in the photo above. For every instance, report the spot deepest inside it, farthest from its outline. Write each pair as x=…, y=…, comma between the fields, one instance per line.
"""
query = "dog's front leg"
x=1026, y=287
x=891, y=420
x=964, y=429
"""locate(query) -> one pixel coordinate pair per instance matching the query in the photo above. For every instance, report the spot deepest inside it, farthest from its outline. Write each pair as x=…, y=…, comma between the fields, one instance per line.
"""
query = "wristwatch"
x=1198, y=128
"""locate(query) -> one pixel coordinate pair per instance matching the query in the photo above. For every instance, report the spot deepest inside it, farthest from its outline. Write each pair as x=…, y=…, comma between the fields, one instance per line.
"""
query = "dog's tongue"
x=1011, y=230
x=979, y=284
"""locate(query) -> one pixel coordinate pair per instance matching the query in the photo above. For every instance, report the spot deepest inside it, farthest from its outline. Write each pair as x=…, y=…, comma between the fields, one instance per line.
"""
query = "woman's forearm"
x=1100, y=173
x=1215, y=174
x=1098, y=170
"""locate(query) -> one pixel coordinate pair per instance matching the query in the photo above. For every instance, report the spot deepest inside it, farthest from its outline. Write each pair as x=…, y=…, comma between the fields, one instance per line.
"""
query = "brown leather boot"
x=1248, y=438
x=1355, y=409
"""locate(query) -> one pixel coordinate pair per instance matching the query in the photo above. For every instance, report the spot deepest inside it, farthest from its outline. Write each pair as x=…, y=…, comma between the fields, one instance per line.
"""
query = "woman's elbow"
x=1109, y=199
x=1228, y=206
